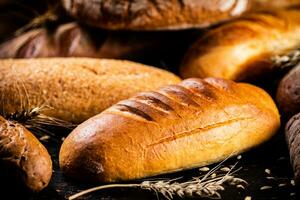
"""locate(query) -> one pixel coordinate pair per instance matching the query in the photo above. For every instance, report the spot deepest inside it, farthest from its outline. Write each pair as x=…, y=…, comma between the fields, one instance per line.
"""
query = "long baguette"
x=73, y=89
x=193, y=123
x=245, y=48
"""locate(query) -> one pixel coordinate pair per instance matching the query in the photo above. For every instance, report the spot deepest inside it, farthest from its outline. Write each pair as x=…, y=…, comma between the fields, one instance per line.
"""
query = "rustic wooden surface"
x=272, y=155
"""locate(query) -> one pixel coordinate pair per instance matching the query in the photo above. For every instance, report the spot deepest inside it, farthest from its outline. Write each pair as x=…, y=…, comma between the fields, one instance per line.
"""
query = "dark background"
x=272, y=155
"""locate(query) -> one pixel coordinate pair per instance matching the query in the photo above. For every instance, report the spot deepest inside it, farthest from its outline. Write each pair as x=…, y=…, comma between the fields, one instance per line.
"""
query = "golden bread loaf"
x=191, y=124
x=245, y=48
x=73, y=89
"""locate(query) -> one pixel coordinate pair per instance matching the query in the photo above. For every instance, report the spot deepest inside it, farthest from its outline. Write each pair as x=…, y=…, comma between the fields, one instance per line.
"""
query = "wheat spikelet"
x=49, y=16
x=201, y=186
x=29, y=111
x=288, y=60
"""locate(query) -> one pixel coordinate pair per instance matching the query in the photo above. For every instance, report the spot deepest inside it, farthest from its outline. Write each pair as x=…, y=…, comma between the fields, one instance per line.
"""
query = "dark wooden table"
x=271, y=156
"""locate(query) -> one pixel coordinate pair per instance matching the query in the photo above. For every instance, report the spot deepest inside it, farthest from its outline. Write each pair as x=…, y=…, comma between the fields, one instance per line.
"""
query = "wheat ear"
x=49, y=16
x=288, y=60
x=202, y=186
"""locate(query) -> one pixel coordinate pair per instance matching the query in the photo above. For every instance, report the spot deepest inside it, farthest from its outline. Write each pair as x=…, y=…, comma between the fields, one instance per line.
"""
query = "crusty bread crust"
x=288, y=92
x=292, y=133
x=23, y=156
x=154, y=15
x=191, y=124
x=75, y=40
x=74, y=89
x=243, y=49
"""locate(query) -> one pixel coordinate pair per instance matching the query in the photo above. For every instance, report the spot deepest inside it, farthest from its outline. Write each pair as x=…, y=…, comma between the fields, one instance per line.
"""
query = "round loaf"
x=245, y=48
x=191, y=124
x=22, y=157
x=153, y=15
x=288, y=92
x=292, y=133
x=73, y=89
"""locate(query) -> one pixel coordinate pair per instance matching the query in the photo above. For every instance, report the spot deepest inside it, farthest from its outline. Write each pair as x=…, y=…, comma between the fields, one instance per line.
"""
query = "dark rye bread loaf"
x=191, y=124
x=73, y=89
x=153, y=15
x=292, y=133
x=288, y=92
x=24, y=161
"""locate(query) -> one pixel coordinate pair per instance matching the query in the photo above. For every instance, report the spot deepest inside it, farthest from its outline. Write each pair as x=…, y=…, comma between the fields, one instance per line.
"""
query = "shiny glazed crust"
x=243, y=49
x=191, y=124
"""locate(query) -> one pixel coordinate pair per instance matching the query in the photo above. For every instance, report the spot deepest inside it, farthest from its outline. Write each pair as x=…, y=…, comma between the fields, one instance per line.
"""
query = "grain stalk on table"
x=201, y=186
x=288, y=60
x=49, y=15
x=29, y=113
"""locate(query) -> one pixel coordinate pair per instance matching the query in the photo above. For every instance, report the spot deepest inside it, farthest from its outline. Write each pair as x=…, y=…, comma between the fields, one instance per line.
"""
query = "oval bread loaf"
x=73, y=89
x=76, y=40
x=153, y=15
x=22, y=157
x=245, y=48
x=288, y=92
x=191, y=124
x=292, y=133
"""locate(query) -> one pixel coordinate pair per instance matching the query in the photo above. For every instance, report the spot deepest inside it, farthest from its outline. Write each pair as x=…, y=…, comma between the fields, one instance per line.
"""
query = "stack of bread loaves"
x=137, y=121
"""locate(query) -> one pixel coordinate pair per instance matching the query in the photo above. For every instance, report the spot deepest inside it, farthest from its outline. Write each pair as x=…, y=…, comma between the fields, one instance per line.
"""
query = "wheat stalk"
x=32, y=119
x=288, y=60
x=201, y=186
x=49, y=16
x=29, y=112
